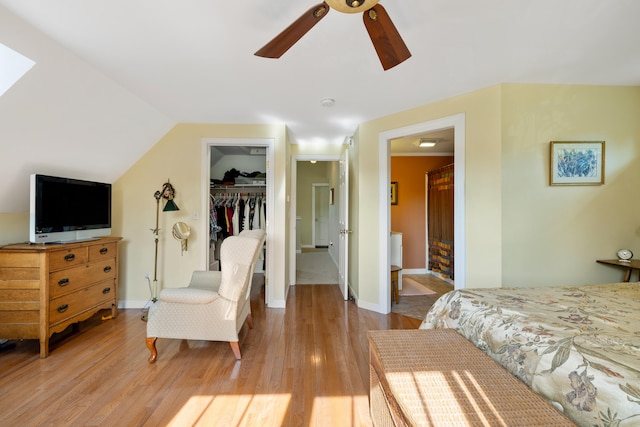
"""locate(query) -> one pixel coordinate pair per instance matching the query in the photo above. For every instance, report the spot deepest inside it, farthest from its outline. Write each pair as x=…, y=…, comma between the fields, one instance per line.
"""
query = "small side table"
x=394, y=283
x=633, y=264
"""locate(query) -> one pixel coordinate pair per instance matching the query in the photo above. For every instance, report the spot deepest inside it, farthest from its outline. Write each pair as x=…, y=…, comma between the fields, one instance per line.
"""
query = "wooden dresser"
x=46, y=288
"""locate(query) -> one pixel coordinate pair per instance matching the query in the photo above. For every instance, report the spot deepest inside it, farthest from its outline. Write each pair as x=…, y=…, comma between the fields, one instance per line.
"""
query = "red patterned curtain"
x=440, y=198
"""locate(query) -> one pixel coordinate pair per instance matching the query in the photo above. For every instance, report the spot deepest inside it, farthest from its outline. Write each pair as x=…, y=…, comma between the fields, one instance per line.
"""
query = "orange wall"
x=408, y=216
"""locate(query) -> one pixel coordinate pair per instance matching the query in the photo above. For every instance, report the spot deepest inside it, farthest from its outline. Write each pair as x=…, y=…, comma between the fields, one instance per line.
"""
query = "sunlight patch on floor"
x=233, y=410
x=346, y=411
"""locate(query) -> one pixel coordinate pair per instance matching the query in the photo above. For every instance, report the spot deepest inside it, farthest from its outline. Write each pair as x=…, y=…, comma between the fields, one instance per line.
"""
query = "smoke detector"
x=327, y=102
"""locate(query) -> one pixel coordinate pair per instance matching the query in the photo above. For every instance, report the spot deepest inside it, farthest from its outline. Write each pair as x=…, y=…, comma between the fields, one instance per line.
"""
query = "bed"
x=576, y=346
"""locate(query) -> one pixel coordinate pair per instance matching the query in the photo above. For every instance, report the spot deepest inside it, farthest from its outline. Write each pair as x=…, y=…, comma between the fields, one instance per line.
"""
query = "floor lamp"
x=167, y=192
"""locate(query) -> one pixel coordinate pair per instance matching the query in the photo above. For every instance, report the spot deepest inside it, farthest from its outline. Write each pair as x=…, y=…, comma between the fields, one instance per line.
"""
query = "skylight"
x=12, y=67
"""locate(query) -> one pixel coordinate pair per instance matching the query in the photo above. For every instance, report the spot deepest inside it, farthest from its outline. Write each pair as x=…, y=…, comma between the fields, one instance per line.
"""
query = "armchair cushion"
x=209, y=280
x=235, y=279
x=188, y=295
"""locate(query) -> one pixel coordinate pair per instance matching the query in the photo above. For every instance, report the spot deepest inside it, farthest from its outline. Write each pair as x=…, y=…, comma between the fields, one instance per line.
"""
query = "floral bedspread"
x=577, y=346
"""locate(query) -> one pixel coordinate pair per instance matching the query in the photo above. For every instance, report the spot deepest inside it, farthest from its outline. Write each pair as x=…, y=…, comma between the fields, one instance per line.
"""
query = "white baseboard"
x=370, y=306
x=133, y=304
x=415, y=271
x=278, y=304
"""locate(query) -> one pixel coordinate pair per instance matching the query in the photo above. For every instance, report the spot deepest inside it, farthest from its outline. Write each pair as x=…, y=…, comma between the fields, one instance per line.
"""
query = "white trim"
x=205, y=180
x=415, y=271
x=420, y=154
x=426, y=221
x=457, y=122
x=133, y=304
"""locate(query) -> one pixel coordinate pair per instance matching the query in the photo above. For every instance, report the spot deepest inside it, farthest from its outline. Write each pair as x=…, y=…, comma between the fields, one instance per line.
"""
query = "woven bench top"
x=438, y=378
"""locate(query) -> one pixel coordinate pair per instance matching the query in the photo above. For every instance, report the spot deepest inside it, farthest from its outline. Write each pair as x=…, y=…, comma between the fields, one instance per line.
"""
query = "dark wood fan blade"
x=385, y=37
x=287, y=38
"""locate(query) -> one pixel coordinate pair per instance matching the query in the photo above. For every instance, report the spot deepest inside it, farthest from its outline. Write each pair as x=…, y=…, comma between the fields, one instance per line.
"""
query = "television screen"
x=65, y=209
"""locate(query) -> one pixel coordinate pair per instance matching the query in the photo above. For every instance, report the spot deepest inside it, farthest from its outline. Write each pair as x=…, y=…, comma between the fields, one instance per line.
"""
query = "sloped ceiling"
x=112, y=77
x=66, y=118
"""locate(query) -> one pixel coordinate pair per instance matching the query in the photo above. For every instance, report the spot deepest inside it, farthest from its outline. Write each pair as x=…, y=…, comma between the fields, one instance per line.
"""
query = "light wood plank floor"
x=303, y=366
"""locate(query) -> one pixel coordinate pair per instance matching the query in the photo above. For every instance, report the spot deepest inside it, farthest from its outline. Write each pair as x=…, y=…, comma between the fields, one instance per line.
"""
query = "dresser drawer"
x=67, y=258
x=69, y=305
x=103, y=251
x=69, y=280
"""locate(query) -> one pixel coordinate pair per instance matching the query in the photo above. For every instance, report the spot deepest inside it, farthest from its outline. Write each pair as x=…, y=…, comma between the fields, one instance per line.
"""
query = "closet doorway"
x=237, y=195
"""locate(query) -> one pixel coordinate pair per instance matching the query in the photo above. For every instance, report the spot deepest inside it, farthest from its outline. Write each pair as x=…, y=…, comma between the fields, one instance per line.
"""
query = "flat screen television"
x=68, y=210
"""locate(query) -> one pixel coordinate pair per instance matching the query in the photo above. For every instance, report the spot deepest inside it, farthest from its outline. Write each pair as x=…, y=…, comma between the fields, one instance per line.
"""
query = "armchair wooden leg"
x=151, y=345
x=236, y=349
x=250, y=321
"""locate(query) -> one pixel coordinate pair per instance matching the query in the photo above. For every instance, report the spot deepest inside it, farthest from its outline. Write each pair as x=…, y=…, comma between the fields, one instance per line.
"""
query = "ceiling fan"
x=385, y=37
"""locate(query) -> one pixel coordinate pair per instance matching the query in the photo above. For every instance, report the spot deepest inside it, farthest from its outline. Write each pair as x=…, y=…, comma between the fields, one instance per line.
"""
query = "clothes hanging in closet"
x=231, y=213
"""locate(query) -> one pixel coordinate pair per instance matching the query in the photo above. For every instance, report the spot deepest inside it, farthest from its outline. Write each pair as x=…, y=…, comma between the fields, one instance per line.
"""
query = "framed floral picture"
x=576, y=163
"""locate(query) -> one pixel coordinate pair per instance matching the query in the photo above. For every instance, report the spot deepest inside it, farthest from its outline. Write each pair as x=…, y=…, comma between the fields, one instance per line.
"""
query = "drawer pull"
x=70, y=257
x=63, y=308
x=106, y=290
x=107, y=269
x=103, y=251
x=63, y=282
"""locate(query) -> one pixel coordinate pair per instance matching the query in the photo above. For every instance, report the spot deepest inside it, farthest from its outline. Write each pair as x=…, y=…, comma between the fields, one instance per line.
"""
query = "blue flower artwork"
x=577, y=162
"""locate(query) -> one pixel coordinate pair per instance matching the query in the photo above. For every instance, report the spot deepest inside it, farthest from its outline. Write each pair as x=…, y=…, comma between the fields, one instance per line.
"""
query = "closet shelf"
x=237, y=185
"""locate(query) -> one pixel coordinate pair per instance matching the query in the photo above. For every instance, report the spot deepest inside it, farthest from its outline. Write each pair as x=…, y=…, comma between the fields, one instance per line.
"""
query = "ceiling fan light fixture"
x=351, y=6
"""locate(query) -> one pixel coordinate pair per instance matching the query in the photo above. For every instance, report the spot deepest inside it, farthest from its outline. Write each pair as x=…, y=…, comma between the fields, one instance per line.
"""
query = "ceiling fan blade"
x=385, y=37
x=287, y=38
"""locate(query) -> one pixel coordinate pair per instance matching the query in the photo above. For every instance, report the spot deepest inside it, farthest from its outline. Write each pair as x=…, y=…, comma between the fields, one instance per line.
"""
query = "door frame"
x=269, y=144
x=457, y=122
x=295, y=158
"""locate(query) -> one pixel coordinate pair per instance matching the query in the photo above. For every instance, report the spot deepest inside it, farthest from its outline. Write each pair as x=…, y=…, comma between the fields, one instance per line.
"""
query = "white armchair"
x=215, y=305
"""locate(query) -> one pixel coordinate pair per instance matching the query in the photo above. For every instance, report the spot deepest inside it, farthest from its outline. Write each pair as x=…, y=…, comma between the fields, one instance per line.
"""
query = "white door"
x=321, y=215
x=343, y=226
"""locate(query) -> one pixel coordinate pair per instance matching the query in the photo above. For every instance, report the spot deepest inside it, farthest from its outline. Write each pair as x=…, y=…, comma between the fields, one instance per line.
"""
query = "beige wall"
x=14, y=227
x=519, y=230
x=178, y=157
x=553, y=235
x=482, y=181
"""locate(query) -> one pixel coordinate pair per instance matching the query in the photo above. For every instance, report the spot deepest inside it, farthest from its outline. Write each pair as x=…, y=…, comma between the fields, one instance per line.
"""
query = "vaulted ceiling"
x=111, y=77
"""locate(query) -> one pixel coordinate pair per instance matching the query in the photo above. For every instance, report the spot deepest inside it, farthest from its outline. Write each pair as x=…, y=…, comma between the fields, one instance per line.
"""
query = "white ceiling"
x=191, y=61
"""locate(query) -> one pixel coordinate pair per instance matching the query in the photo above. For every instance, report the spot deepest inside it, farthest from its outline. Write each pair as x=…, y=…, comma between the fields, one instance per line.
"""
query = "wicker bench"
x=438, y=378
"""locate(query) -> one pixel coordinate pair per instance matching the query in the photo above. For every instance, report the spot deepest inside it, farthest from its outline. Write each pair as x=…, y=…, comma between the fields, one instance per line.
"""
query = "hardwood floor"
x=303, y=366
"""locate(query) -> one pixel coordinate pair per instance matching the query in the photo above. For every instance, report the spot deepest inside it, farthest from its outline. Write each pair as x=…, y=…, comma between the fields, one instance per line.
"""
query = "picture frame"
x=394, y=193
x=576, y=162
